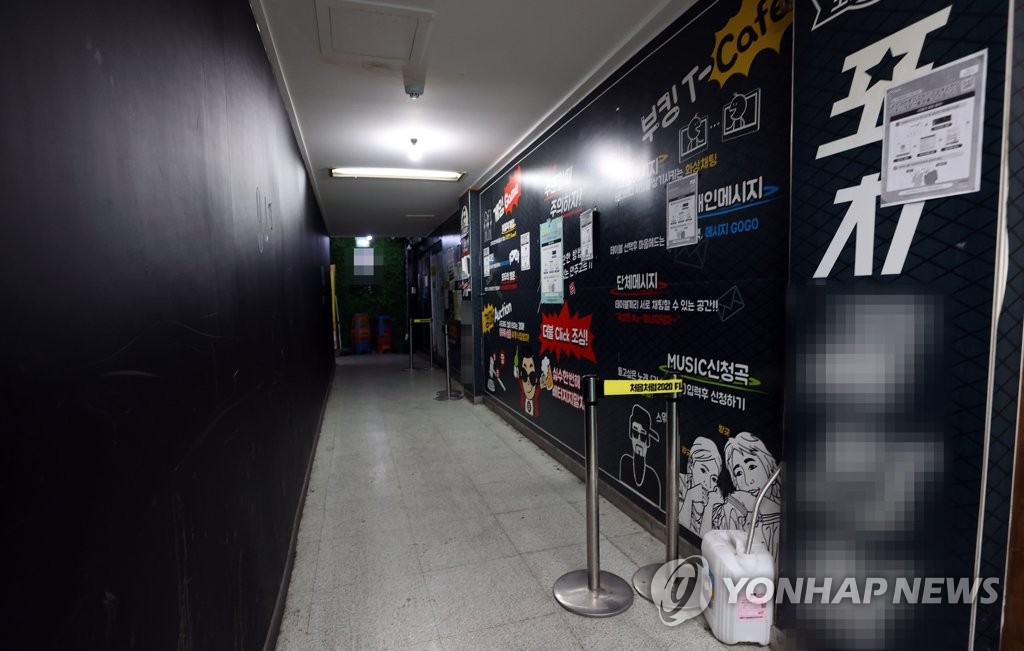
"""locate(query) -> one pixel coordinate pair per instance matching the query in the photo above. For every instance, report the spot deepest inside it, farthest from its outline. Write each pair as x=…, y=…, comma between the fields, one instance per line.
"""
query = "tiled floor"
x=435, y=525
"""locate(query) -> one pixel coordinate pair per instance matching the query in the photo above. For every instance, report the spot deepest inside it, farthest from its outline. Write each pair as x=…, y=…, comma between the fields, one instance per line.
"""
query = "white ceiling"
x=496, y=74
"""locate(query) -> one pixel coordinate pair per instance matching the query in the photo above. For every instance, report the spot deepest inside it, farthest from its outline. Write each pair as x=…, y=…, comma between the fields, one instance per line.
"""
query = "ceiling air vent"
x=351, y=30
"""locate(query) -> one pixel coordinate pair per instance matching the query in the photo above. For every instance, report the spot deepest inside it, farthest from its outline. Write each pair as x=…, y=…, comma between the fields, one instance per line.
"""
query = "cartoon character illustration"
x=742, y=114
x=694, y=136
x=532, y=381
x=750, y=465
x=699, y=494
x=633, y=469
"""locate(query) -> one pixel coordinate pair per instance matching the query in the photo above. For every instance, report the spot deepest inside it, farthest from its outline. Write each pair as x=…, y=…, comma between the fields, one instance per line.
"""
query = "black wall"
x=165, y=340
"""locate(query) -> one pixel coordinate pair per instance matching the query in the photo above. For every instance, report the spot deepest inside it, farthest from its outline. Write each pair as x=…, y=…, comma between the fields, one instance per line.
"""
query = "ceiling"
x=494, y=74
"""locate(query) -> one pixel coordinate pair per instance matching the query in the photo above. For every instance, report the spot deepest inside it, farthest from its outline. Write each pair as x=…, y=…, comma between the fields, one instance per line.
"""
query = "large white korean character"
x=901, y=51
x=649, y=124
x=712, y=370
x=860, y=217
x=669, y=104
x=688, y=80
x=742, y=374
x=726, y=368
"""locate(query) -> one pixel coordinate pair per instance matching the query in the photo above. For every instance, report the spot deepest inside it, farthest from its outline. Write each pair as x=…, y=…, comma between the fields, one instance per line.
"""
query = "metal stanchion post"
x=592, y=592
x=447, y=364
x=644, y=577
x=448, y=394
x=413, y=322
x=408, y=335
x=430, y=344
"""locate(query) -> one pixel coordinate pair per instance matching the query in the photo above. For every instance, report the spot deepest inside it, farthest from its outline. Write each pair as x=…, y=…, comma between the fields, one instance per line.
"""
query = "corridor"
x=435, y=525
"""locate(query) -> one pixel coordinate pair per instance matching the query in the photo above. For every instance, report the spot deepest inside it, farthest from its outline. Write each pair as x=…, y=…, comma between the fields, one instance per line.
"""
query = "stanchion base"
x=643, y=578
x=448, y=395
x=573, y=592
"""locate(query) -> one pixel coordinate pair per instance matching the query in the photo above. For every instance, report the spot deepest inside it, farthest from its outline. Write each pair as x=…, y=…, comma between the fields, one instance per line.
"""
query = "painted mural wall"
x=647, y=233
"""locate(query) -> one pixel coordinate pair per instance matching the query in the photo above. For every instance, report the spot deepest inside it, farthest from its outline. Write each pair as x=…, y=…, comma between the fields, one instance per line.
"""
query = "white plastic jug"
x=747, y=612
x=743, y=620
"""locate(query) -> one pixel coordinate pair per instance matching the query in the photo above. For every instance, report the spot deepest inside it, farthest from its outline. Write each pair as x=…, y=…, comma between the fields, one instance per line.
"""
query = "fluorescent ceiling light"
x=410, y=174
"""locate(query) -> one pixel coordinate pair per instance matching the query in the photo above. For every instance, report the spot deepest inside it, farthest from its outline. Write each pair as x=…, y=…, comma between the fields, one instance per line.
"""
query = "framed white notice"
x=551, y=281
x=587, y=235
x=681, y=212
x=931, y=144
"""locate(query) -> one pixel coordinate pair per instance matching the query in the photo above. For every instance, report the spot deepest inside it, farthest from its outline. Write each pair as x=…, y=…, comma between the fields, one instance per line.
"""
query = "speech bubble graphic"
x=487, y=318
x=567, y=333
x=758, y=26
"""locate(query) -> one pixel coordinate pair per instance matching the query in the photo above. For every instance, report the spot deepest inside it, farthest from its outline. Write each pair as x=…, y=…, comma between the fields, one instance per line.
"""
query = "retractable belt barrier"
x=644, y=577
x=593, y=592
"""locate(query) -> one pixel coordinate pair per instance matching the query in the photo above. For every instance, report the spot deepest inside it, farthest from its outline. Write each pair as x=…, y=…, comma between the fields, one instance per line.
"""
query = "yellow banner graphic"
x=629, y=387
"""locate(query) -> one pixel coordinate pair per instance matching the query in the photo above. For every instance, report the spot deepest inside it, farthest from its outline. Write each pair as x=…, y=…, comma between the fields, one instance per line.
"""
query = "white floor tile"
x=386, y=614
x=545, y=527
x=365, y=557
x=443, y=505
x=508, y=496
x=548, y=632
x=441, y=545
x=352, y=517
x=484, y=595
x=611, y=520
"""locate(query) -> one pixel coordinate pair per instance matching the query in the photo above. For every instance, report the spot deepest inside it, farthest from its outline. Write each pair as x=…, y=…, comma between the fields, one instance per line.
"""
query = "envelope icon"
x=693, y=256
x=730, y=303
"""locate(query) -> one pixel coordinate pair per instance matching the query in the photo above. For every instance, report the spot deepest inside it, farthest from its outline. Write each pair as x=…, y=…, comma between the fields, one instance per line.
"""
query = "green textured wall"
x=381, y=294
